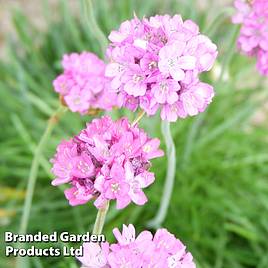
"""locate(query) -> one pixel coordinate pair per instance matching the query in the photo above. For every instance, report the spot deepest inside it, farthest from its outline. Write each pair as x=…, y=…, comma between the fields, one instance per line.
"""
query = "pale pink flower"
x=148, y=64
x=167, y=242
x=77, y=99
x=134, y=79
x=128, y=236
x=136, y=183
x=148, y=103
x=95, y=255
x=243, y=9
x=127, y=101
x=172, y=112
x=163, y=250
x=117, y=187
x=196, y=98
x=82, y=63
x=152, y=59
x=166, y=91
x=63, y=163
x=180, y=259
x=262, y=62
x=83, y=85
x=172, y=62
x=81, y=192
x=204, y=50
x=253, y=38
x=107, y=99
x=123, y=32
x=150, y=149
x=83, y=166
x=63, y=84
x=115, y=70
x=106, y=161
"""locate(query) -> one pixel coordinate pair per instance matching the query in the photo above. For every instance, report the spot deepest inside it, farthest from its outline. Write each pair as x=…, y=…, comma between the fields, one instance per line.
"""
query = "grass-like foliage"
x=219, y=207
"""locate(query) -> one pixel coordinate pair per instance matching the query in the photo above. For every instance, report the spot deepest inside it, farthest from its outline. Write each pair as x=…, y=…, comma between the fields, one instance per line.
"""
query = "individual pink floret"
x=83, y=85
x=155, y=61
x=163, y=250
x=106, y=161
x=94, y=255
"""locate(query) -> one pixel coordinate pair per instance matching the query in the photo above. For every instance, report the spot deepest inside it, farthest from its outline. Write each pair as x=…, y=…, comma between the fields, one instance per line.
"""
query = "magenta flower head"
x=163, y=250
x=155, y=64
x=106, y=161
x=83, y=86
x=253, y=39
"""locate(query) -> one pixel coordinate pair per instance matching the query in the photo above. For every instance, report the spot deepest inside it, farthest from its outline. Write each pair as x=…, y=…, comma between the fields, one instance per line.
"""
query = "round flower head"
x=83, y=86
x=107, y=160
x=155, y=64
x=253, y=39
x=163, y=250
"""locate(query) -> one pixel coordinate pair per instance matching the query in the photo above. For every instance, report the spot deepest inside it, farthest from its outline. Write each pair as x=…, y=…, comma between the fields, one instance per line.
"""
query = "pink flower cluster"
x=107, y=160
x=253, y=39
x=161, y=251
x=155, y=64
x=83, y=85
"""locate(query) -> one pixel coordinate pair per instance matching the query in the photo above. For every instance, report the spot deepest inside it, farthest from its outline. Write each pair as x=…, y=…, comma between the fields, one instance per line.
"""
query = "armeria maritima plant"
x=153, y=64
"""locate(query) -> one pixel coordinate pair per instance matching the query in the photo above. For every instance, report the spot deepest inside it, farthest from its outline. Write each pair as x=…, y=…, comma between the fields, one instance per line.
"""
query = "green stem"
x=34, y=169
x=93, y=25
x=220, y=18
x=100, y=220
x=170, y=177
x=138, y=118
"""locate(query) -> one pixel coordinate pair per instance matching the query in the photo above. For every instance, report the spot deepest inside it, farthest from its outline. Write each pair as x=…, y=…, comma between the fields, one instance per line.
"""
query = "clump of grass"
x=219, y=204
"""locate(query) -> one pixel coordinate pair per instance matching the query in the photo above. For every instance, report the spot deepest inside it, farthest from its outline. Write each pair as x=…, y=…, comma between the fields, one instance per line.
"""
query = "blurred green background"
x=219, y=207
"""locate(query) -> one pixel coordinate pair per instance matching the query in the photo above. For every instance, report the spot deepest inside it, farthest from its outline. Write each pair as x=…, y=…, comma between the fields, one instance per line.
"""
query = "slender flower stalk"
x=170, y=177
x=93, y=25
x=138, y=118
x=228, y=56
x=160, y=216
x=52, y=122
x=100, y=220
